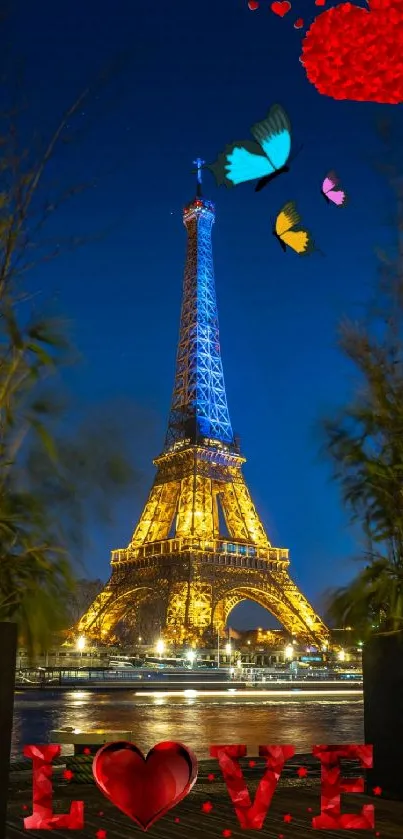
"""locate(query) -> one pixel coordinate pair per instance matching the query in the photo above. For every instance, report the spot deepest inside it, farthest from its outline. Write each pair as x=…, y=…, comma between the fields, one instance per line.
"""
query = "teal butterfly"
x=246, y=161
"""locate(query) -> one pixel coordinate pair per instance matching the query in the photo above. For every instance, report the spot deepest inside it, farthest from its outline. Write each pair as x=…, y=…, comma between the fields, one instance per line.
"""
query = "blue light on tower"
x=199, y=407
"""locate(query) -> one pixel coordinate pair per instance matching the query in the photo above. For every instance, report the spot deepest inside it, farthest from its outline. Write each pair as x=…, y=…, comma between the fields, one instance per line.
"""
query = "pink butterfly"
x=337, y=196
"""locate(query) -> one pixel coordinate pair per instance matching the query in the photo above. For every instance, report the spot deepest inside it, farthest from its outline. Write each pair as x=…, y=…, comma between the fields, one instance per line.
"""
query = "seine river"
x=197, y=722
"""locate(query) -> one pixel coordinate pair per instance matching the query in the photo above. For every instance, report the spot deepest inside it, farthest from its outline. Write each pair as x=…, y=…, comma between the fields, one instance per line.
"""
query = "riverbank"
x=298, y=798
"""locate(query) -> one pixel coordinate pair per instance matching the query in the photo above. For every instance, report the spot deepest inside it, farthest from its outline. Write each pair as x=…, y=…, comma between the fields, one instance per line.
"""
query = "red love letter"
x=332, y=785
x=43, y=817
x=251, y=816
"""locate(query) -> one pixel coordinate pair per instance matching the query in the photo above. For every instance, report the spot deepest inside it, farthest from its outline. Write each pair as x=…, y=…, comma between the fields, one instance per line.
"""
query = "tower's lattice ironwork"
x=199, y=403
x=199, y=547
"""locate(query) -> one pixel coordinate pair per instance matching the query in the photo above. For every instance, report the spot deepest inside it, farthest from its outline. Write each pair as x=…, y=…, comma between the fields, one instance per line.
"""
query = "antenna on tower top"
x=199, y=163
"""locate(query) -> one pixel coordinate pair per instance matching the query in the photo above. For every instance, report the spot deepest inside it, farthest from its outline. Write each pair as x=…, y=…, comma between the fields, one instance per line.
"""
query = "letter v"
x=251, y=816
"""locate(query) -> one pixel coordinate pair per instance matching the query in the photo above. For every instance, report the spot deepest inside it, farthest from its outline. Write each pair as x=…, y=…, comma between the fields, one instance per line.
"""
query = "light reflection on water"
x=196, y=721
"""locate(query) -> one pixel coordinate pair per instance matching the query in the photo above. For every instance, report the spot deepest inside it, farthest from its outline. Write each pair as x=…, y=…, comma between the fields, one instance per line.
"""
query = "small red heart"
x=298, y=23
x=320, y=2
x=253, y=5
x=145, y=788
x=281, y=8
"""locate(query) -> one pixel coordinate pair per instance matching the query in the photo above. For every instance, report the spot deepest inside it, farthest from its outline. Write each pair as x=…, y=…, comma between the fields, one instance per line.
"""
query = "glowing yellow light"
x=80, y=643
x=228, y=649
x=289, y=651
x=260, y=693
x=341, y=655
x=160, y=647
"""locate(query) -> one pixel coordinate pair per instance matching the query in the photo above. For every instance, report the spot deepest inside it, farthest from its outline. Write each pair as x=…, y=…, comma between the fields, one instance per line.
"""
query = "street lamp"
x=289, y=652
x=228, y=650
x=191, y=657
x=160, y=647
x=80, y=644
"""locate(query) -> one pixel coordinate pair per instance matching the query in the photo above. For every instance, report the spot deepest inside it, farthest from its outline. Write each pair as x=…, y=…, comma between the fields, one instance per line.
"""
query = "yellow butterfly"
x=299, y=240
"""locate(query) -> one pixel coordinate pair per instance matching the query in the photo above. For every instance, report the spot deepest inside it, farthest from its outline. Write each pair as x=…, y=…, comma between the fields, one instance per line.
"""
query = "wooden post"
x=383, y=720
x=8, y=655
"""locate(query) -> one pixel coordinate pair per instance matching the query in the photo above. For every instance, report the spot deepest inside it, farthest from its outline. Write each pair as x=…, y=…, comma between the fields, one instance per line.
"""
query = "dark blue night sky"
x=191, y=77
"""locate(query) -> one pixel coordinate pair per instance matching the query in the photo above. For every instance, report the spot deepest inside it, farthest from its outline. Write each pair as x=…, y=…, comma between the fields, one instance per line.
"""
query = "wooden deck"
x=293, y=796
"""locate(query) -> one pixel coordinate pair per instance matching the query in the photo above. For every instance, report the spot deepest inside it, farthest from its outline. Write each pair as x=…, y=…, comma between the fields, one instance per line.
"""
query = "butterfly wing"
x=330, y=181
x=274, y=136
x=287, y=218
x=337, y=196
x=300, y=240
x=240, y=162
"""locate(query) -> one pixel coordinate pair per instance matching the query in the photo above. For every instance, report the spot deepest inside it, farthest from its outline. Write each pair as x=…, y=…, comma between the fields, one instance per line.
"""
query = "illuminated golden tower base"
x=192, y=581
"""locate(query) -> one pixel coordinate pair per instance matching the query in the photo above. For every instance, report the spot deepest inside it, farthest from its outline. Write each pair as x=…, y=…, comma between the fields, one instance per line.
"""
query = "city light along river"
x=195, y=719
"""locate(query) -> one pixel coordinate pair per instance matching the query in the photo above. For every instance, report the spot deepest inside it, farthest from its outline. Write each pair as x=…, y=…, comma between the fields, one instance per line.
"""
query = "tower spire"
x=199, y=163
x=199, y=411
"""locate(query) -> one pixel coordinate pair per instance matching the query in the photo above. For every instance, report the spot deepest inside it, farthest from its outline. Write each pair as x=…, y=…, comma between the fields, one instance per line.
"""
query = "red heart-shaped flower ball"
x=357, y=54
x=145, y=788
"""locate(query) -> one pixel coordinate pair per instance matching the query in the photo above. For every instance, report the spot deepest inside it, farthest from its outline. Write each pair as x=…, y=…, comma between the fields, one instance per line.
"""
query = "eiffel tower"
x=199, y=547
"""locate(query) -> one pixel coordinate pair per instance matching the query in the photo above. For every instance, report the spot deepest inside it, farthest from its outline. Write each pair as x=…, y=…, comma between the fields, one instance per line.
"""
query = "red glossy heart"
x=357, y=54
x=281, y=8
x=320, y=2
x=253, y=5
x=145, y=788
x=298, y=23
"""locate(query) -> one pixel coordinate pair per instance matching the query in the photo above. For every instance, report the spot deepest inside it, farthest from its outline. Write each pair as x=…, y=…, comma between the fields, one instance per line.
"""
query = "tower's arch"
x=112, y=606
x=233, y=598
x=286, y=613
